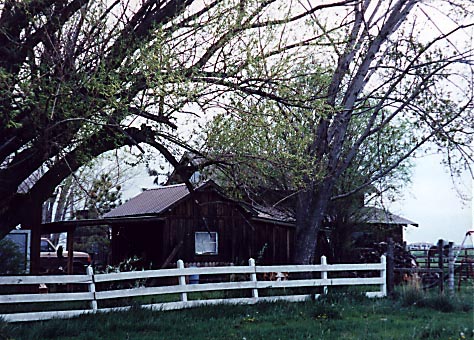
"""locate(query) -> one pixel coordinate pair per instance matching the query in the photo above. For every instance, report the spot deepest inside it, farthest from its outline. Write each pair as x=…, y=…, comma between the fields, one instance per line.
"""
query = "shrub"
x=11, y=259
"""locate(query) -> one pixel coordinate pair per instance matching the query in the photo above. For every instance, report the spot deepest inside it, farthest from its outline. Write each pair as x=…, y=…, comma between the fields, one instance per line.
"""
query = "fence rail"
x=254, y=280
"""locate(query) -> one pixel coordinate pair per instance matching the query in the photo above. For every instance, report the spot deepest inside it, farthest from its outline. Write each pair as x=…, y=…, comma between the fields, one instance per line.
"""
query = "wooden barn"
x=206, y=227
x=374, y=225
x=168, y=223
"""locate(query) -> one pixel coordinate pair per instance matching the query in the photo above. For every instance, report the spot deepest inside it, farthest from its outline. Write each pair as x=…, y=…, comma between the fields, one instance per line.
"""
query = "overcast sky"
x=433, y=201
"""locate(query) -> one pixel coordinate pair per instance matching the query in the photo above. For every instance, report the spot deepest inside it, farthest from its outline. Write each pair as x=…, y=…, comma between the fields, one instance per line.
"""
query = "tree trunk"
x=310, y=211
x=63, y=200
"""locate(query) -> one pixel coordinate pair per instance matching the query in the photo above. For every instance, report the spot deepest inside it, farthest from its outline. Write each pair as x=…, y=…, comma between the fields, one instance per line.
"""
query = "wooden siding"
x=239, y=236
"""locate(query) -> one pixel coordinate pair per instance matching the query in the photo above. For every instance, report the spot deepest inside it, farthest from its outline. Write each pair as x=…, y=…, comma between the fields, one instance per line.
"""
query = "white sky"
x=433, y=201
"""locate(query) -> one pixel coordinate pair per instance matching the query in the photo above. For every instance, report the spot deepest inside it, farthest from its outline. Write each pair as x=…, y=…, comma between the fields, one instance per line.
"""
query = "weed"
x=410, y=296
x=325, y=312
x=343, y=296
x=439, y=302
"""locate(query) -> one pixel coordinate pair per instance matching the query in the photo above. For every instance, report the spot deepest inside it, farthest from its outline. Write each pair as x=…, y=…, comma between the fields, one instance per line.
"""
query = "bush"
x=11, y=258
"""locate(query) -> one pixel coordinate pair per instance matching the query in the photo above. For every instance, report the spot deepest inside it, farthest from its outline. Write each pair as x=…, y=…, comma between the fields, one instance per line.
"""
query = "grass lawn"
x=412, y=315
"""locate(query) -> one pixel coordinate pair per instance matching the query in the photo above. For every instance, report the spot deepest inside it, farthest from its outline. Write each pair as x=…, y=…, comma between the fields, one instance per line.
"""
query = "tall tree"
x=392, y=62
x=81, y=77
x=95, y=187
x=267, y=159
x=388, y=63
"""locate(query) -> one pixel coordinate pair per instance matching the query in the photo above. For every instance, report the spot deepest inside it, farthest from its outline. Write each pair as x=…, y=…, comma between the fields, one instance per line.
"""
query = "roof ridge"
x=166, y=186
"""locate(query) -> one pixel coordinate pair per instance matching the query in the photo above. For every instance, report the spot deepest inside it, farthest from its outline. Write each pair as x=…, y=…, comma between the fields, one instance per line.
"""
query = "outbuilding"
x=203, y=227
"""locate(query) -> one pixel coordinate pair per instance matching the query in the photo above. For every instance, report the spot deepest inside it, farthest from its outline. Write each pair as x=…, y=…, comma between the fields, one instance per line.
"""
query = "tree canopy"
x=79, y=78
x=391, y=77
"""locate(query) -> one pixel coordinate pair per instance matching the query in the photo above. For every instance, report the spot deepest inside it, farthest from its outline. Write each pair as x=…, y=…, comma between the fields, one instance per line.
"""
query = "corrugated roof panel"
x=373, y=215
x=153, y=201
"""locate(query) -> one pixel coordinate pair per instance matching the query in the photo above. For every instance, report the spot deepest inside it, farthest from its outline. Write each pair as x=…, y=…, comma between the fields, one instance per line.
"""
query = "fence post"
x=451, y=268
x=90, y=272
x=253, y=278
x=182, y=281
x=383, y=275
x=324, y=273
x=441, y=265
x=390, y=267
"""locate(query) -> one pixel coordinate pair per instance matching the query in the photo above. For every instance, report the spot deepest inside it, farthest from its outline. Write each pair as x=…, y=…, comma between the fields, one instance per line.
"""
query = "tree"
x=79, y=78
x=393, y=63
x=267, y=159
x=11, y=258
x=95, y=188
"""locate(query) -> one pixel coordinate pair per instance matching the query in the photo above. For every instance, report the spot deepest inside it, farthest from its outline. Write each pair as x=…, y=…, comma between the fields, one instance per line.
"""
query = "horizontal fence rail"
x=98, y=289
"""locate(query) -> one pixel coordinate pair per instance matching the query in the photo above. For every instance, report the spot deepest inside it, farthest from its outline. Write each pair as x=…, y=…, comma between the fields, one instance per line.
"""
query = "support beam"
x=70, y=250
x=34, y=224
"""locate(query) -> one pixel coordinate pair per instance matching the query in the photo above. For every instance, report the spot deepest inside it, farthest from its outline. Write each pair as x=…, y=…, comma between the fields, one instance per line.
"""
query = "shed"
x=373, y=225
x=202, y=226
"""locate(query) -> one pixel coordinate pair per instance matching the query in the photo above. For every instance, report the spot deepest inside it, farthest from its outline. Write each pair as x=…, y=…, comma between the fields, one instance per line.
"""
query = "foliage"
x=265, y=143
x=79, y=78
x=130, y=264
x=103, y=196
x=380, y=92
x=411, y=296
x=268, y=150
x=11, y=258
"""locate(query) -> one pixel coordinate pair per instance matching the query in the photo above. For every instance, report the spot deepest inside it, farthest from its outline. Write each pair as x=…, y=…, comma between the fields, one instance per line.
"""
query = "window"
x=205, y=243
x=46, y=246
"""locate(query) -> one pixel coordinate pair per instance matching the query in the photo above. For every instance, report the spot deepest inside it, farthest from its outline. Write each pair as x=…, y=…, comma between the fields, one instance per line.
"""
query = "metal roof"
x=152, y=201
x=374, y=215
x=273, y=213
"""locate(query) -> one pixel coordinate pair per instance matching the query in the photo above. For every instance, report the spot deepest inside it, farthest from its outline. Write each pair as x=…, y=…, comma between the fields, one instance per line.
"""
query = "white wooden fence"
x=250, y=273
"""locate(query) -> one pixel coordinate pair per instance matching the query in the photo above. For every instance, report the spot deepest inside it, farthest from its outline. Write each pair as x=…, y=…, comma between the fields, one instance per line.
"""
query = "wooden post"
x=441, y=265
x=253, y=278
x=70, y=251
x=390, y=267
x=33, y=223
x=451, y=268
x=35, y=250
x=383, y=275
x=182, y=281
x=324, y=273
x=429, y=257
x=90, y=272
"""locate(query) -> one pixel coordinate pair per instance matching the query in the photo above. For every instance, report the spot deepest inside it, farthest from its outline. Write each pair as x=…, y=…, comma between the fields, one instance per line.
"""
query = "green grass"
x=411, y=315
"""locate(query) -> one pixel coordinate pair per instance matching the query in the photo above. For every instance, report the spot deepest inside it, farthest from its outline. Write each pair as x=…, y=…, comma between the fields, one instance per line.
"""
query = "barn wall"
x=212, y=214
x=274, y=243
x=141, y=239
x=239, y=237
